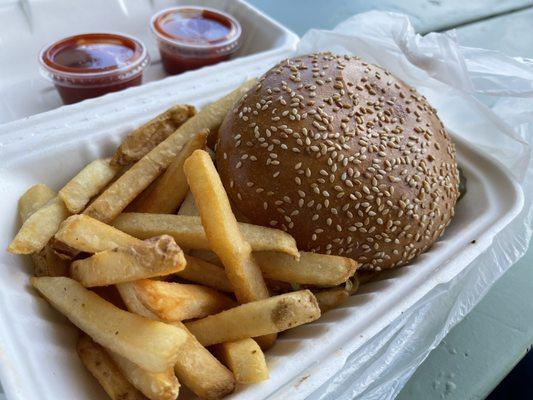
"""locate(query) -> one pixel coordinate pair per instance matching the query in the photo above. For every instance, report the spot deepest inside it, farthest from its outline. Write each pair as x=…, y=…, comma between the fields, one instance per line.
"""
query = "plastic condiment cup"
x=192, y=37
x=93, y=64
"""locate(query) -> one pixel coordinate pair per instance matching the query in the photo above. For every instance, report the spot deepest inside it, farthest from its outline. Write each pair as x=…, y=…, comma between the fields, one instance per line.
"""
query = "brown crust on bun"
x=342, y=155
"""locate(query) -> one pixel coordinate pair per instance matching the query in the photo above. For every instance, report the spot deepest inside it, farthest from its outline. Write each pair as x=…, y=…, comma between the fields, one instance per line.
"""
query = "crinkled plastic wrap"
x=487, y=98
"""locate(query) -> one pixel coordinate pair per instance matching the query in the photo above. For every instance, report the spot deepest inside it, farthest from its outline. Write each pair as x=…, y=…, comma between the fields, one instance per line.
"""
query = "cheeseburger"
x=344, y=156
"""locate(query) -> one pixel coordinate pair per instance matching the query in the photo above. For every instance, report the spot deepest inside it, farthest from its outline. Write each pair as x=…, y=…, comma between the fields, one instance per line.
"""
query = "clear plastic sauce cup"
x=192, y=37
x=92, y=64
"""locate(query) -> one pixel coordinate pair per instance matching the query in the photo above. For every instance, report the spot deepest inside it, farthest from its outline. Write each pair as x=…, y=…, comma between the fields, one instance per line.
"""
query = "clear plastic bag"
x=487, y=98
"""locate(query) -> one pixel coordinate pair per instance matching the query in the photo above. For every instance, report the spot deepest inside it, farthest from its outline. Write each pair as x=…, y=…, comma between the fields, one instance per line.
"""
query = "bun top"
x=344, y=156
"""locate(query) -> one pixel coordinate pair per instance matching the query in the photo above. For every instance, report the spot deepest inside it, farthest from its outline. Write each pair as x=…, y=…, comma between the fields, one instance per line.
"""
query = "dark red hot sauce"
x=90, y=65
x=192, y=37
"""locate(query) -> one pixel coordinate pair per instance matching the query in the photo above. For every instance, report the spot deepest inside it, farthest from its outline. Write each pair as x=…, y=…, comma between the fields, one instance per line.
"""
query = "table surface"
x=478, y=353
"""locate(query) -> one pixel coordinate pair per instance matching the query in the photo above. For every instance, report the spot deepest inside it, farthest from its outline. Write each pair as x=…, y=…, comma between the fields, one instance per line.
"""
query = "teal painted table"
x=479, y=352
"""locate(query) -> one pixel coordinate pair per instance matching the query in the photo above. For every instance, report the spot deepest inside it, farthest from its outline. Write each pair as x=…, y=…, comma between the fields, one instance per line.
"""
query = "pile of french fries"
x=143, y=253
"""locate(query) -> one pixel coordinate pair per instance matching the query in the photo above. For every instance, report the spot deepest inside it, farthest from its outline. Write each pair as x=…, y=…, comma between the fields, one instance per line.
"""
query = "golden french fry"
x=223, y=233
x=45, y=262
x=188, y=207
x=168, y=191
x=205, y=273
x=257, y=318
x=33, y=199
x=39, y=228
x=122, y=192
x=311, y=269
x=143, y=139
x=200, y=371
x=177, y=301
x=87, y=234
x=195, y=367
x=86, y=184
x=157, y=256
x=211, y=116
x=151, y=344
x=154, y=385
x=331, y=298
x=189, y=232
x=245, y=359
x=103, y=368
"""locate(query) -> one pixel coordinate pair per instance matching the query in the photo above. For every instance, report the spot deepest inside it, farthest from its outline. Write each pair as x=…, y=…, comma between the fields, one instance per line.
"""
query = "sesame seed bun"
x=342, y=155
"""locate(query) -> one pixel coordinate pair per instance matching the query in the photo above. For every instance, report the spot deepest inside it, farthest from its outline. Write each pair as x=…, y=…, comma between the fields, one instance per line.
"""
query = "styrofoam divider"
x=131, y=107
x=37, y=354
x=29, y=25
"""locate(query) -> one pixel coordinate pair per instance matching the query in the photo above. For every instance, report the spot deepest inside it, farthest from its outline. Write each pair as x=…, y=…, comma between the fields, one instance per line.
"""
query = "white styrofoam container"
x=28, y=25
x=37, y=357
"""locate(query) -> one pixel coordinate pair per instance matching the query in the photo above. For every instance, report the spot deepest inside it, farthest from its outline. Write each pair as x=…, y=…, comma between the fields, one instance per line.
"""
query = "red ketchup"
x=192, y=37
x=93, y=64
